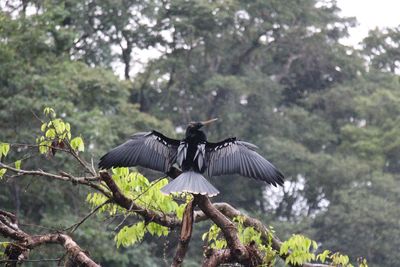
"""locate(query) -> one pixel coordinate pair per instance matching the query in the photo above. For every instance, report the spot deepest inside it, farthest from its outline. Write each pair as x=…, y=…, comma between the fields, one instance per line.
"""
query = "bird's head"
x=195, y=125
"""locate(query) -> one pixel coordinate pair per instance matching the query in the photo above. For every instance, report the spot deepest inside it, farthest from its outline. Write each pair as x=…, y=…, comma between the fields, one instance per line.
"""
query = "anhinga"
x=194, y=155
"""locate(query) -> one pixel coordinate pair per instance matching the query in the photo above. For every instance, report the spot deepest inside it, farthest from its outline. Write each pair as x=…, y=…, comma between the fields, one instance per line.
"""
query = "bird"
x=195, y=157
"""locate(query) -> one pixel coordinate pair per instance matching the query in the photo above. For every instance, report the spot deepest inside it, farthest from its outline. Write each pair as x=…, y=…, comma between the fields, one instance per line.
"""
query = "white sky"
x=369, y=14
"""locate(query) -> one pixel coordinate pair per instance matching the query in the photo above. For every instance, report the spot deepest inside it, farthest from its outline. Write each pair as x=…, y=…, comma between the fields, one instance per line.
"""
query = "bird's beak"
x=208, y=122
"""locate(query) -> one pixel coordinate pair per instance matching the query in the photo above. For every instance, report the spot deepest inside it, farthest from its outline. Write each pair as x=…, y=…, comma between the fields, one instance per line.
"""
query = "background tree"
x=274, y=71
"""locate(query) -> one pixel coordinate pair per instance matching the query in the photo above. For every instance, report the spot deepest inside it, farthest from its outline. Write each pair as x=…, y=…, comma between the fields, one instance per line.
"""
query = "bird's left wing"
x=151, y=150
x=232, y=156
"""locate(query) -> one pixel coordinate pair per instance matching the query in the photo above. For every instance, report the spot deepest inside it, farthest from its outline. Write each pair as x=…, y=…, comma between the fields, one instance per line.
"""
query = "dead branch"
x=214, y=258
x=9, y=215
x=63, y=176
x=19, y=251
x=186, y=234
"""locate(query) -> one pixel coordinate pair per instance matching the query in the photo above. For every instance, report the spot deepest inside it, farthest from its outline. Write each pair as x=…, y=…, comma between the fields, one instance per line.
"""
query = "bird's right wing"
x=232, y=156
x=151, y=150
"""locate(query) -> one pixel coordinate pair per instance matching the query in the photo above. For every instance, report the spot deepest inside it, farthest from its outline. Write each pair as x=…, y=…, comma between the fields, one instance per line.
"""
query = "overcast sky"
x=370, y=14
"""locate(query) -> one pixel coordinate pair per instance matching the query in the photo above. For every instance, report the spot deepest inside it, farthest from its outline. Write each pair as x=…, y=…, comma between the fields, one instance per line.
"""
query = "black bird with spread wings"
x=195, y=156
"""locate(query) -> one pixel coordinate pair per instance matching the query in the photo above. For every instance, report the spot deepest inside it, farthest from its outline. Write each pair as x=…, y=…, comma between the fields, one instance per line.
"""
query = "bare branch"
x=63, y=176
x=10, y=232
x=39, y=260
x=81, y=161
x=216, y=257
x=186, y=234
x=11, y=216
x=19, y=250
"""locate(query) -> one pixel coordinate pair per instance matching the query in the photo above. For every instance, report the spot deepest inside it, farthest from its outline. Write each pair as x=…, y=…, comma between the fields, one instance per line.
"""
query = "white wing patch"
x=181, y=154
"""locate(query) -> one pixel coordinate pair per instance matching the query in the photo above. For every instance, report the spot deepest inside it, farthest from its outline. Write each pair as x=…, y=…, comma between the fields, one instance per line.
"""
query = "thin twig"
x=36, y=146
x=36, y=116
x=39, y=226
x=38, y=260
x=133, y=201
x=81, y=161
x=79, y=180
x=76, y=225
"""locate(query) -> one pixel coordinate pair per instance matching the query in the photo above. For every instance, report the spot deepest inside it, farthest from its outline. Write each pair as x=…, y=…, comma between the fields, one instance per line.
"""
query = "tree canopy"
x=274, y=72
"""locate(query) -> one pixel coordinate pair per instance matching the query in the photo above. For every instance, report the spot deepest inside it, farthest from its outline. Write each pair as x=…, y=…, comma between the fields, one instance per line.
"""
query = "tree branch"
x=216, y=257
x=228, y=227
x=186, y=234
x=149, y=215
x=266, y=234
x=76, y=225
x=220, y=213
x=63, y=176
x=11, y=216
x=19, y=251
x=231, y=213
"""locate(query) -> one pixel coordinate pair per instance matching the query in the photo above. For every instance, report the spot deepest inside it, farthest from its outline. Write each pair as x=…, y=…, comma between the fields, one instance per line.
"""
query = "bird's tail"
x=190, y=182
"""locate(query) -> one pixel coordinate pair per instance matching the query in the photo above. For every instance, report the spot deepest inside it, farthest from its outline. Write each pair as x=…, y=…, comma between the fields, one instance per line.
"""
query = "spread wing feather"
x=232, y=156
x=150, y=150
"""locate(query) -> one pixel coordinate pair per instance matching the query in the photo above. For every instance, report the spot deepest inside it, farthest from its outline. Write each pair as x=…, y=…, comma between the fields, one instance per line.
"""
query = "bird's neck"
x=195, y=136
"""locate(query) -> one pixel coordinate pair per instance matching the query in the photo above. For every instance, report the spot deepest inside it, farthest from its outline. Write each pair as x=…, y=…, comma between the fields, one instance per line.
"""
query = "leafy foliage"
x=247, y=235
x=4, y=148
x=57, y=134
x=300, y=250
x=214, y=238
x=145, y=193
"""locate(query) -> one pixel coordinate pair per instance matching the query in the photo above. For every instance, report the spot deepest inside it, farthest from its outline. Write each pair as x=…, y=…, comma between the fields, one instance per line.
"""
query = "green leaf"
x=300, y=249
x=49, y=111
x=204, y=236
x=362, y=262
x=322, y=256
x=43, y=127
x=2, y=172
x=156, y=229
x=130, y=235
x=4, y=245
x=50, y=133
x=44, y=147
x=59, y=126
x=180, y=210
x=77, y=144
x=4, y=148
x=18, y=164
